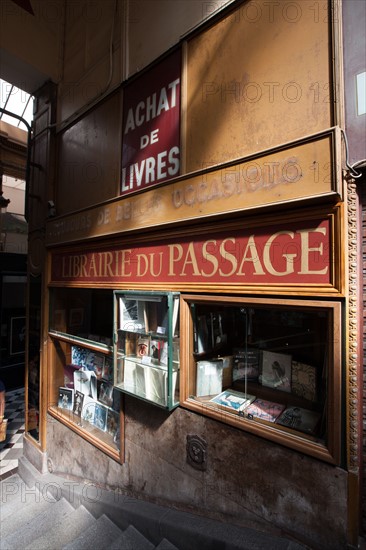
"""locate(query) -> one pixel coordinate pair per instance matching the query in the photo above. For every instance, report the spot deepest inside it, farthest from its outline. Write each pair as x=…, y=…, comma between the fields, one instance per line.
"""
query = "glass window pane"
x=265, y=363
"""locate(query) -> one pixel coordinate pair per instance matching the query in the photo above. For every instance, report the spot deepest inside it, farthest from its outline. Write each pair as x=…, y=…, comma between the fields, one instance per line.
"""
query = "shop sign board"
x=293, y=253
x=151, y=127
x=302, y=170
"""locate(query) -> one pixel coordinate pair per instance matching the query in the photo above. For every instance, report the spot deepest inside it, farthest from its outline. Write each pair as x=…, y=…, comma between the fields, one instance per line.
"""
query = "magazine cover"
x=78, y=403
x=107, y=373
x=131, y=314
x=300, y=419
x=85, y=382
x=245, y=364
x=304, y=380
x=276, y=370
x=143, y=346
x=112, y=423
x=265, y=410
x=105, y=393
x=100, y=417
x=98, y=365
x=78, y=356
x=233, y=401
x=65, y=398
x=116, y=396
x=69, y=375
x=88, y=410
x=155, y=348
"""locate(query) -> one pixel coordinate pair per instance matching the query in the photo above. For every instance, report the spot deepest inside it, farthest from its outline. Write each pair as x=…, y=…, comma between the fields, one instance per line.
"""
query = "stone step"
x=38, y=523
x=22, y=509
x=131, y=539
x=33, y=518
x=165, y=545
x=63, y=530
x=100, y=535
x=10, y=490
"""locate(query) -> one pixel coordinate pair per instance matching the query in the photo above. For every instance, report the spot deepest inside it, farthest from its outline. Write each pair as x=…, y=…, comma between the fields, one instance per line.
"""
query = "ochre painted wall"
x=254, y=83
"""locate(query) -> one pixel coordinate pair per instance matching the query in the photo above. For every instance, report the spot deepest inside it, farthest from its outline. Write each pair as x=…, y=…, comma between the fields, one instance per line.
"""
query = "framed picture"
x=105, y=393
x=17, y=335
x=78, y=403
x=132, y=314
x=65, y=398
x=276, y=370
x=304, y=380
x=100, y=417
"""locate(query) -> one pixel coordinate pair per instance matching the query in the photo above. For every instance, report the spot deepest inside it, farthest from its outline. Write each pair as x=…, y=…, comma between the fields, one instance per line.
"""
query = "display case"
x=268, y=366
x=81, y=392
x=146, y=346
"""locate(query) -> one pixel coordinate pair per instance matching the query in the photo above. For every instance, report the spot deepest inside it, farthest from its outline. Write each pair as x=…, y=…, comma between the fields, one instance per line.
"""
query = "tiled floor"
x=12, y=448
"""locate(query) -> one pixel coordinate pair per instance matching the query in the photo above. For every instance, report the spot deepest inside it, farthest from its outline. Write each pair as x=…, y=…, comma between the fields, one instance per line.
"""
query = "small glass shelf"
x=146, y=346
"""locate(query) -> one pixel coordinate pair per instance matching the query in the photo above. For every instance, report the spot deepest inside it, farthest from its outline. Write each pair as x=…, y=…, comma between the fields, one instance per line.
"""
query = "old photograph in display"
x=276, y=370
x=132, y=315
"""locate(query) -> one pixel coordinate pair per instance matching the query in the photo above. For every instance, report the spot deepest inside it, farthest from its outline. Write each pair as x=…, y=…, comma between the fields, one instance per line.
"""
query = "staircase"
x=31, y=519
x=48, y=512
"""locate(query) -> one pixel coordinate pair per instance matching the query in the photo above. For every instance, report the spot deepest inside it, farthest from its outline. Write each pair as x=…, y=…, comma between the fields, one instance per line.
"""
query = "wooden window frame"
x=329, y=452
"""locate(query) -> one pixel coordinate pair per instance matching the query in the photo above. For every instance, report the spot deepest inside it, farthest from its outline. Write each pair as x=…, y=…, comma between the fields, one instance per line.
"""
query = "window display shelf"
x=146, y=346
x=78, y=340
x=104, y=440
x=82, y=395
x=271, y=367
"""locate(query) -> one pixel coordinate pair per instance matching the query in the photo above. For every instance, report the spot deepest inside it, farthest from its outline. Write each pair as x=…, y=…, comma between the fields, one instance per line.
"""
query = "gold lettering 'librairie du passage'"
x=297, y=253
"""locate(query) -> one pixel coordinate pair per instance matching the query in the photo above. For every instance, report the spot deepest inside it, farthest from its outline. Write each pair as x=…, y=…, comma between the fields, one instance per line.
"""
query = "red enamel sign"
x=151, y=127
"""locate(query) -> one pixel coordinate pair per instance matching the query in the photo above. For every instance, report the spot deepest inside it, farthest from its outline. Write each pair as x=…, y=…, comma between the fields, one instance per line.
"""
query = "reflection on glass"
x=265, y=363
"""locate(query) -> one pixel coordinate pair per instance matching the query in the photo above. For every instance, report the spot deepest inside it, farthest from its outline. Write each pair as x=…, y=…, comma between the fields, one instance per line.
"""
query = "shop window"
x=270, y=367
x=81, y=362
x=147, y=346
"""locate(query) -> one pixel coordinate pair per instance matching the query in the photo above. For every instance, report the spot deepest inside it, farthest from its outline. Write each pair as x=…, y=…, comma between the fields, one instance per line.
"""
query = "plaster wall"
x=31, y=45
x=154, y=27
x=247, y=478
x=106, y=42
x=16, y=197
x=253, y=84
x=92, y=55
x=237, y=100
